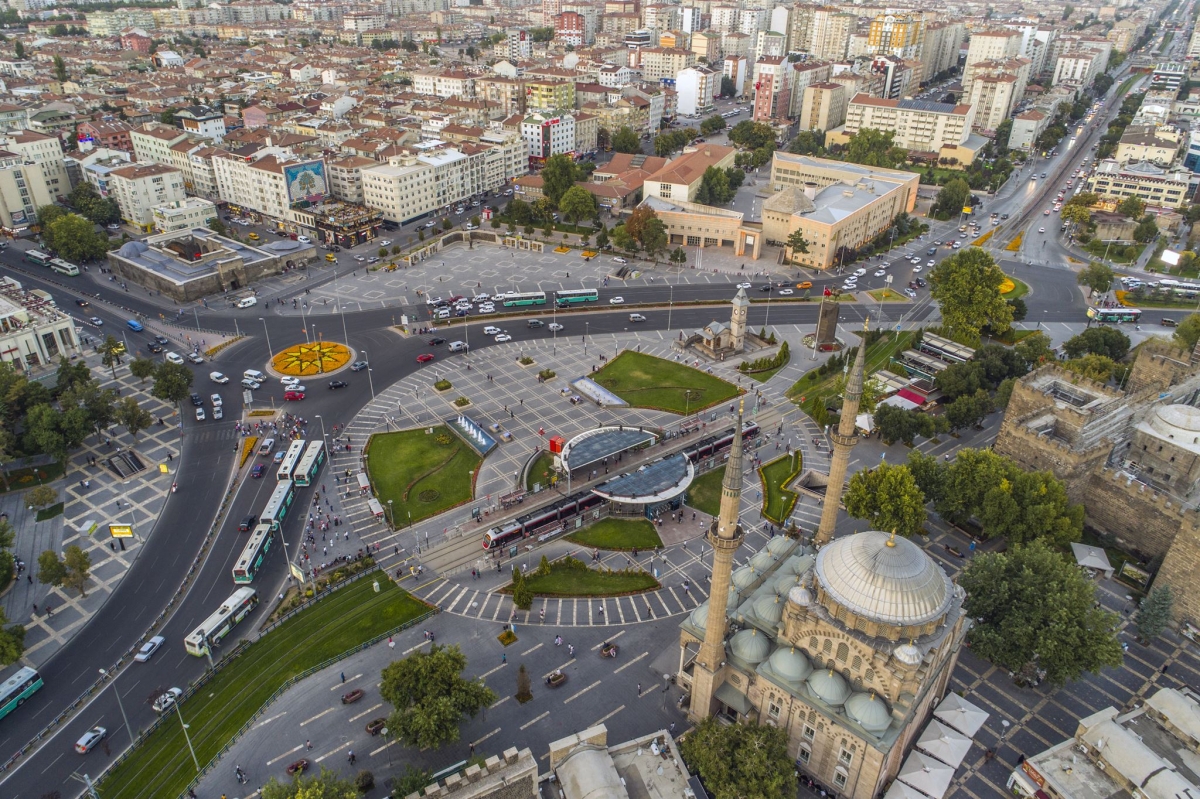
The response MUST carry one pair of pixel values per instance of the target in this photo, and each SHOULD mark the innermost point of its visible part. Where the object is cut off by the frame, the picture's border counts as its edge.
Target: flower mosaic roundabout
(317, 358)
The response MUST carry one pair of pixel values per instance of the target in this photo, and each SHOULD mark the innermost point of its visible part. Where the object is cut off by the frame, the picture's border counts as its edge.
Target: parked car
(174, 357)
(167, 700)
(149, 648)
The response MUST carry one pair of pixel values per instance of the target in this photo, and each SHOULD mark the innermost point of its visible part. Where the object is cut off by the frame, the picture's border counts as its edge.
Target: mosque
(848, 645)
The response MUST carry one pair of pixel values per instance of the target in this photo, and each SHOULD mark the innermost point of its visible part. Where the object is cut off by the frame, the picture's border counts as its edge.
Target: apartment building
(444, 83)
(804, 74)
(45, 151)
(659, 63)
(548, 136)
(823, 106)
(918, 125)
(993, 97)
(1158, 144)
(939, 51)
(138, 188)
(23, 189)
(772, 88)
(549, 95)
(345, 177)
(707, 45)
(1156, 186)
(993, 45)
(680, 179)
(737, 69)
(1026, 128)
(185, 214)
(1077, 69)
(831, 29)
(198, 120)
(695, 88)
(108, 133)
(153, 142)
(899, 36)
(1169, 76)
(261, 185)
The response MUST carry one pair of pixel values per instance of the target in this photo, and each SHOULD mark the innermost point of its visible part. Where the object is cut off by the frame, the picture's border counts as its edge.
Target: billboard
(120, 530)
(306, 181)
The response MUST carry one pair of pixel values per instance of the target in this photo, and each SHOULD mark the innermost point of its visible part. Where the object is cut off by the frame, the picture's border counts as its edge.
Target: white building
(695, 88)
(33, 331)
(184, 214)
(47, 152)
(917, 124)
(546, 136)
(138, 188)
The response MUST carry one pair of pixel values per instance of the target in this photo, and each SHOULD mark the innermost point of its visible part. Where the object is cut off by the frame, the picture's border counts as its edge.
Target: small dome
(699, 617)
(762, 560)
(778, 544)
(735, 596)
(799, 564)
(908, 654)
(750, 647)
(800, 595)
(790, 665)
(785, 582)
(744, 577)
(829, 686)
(869, 712)
(132, 249)
(769, 608)
(890, 580)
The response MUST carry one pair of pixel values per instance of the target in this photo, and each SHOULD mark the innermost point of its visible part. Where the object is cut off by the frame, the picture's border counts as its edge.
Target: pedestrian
(503, 657)
(639, 689)
(343, 675)
(672, 727)
(308, 745)
(35, 609)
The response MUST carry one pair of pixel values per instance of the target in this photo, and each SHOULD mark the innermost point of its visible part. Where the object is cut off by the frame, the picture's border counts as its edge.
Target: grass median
(704, 494)
(645, 381)
(578, 580)
(160, 766)
(613, 533)
(423, 474)
(778, 501)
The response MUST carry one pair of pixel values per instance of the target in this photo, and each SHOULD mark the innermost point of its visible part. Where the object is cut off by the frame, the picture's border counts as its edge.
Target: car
(215, 399)
(304, 239)
(620, 260)
(197, 400)
(743, 285)
(247, 302)
(535, 323)
(293, 396)
(1169, 322)
(89, 739)
(425, 357)
(83, 303)
(358, 366)
(487, 307)
(503, 337)
(880, 272)
(330, 257)
(921, 282)
(1004, 216)
(360, 258)
(298, 767)
(252, 236)
(149, 648)
(194, 357)
(200, 417)
(154, 347)
(372, 260)
(258, 471)
(1041, 230)
(917, 268)
(174, 357)
(859, 272)
(247, 523)
(786, 292)
(338, 384)
(429, 224)
(295, 387)
(472, 226)
(636, 317)
(617, 301)
(353, 696)
(253, 385)
(97, 321)
(555, 327)
(1046, 212)
(162, 340)
(491, 330)
(289, 380)
(167, 700)
(804, 284)
(910, 293)
(385, 243)
(956, 246)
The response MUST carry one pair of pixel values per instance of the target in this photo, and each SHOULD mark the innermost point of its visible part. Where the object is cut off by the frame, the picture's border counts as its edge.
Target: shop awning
(733, 698)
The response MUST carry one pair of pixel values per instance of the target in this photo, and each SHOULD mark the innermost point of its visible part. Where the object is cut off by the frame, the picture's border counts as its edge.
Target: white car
(472, 226)
(503, 337)
(288, 380)
(295, 387)
(916, 259)
(1041, 230)
(385, 243)
(620, 260)
(217, 377)
(90, 738)
(555, 327)
(167, 700)
(786, 292)
(218, 413)
(487, 307)
(617, 301)
(216, 400)
(481, 298)
(430, 223)
(174, 357)
(253, 385)
(149, 648)
(200, 417)
(304, 239)
(859, 272)
(917, 268)
(880, 272)
(911, 293)
(743, 285)
(491, 330)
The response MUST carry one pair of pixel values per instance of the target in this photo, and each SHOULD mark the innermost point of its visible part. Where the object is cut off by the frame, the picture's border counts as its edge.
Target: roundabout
(311, 359)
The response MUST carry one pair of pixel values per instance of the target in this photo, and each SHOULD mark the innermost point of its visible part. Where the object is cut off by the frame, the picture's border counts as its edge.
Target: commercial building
(185, 214)
(548, 136)
(695, 88)
(341, 223)
(139, 188)
(1154, 185)
(1169, 76)
(33, 331)
(24, 188)
(837, 205)
(1158, 144)
(922, 126)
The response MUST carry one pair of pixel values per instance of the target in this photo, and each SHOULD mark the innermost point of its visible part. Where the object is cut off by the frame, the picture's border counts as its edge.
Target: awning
(900, 402)
(960, 714)
(901, 791)
(865, 421)
(733, 698)
(1092, 558)
(945, 743)
(930, 777)
(911, 396)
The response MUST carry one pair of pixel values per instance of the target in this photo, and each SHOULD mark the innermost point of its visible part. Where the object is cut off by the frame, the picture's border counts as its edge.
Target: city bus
(310, 464)
(253, 555)
(17, 688)
(528, 298)
(572, 296)
(218, 625)
(64, 267)
(1118, 315)
(278, 505)
(292, 457)
(38, 257)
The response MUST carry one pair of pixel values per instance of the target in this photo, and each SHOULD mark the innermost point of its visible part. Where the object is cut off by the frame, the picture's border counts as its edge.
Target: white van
(458, 346)
(247, 302)
(442, 313)
(254, 374)
(636, 317)
(264, 449)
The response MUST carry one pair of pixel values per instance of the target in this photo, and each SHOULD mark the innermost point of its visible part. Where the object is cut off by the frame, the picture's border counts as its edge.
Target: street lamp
(117, 691)
(391, 515)
(186, 737)
(267, 333)
(322, 427)
(585, 335)
(367, 358)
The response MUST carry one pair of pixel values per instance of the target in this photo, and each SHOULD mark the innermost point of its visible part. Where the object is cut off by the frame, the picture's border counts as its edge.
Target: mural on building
(306, 181)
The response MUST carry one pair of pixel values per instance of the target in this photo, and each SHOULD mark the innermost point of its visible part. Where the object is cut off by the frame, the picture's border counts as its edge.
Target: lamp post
(585, 336)
(367, 358)
(186, 737)
(322, 427)
(117, 691)
(391, 515)
(267, 333)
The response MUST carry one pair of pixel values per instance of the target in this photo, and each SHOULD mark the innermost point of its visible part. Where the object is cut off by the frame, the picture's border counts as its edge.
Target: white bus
(288, 465)
(218, 625)
(310, 464)
(279, 504)
(64, 267)
(253, 555)
(38, 257)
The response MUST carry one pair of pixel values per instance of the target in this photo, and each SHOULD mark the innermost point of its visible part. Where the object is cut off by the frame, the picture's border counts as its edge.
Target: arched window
(856, 664)
(827, 647)
(843, 652)
(869, 676)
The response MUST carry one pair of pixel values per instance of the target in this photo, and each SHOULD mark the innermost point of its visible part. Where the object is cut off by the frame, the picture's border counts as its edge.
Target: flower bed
(248, 447)
(303, 360)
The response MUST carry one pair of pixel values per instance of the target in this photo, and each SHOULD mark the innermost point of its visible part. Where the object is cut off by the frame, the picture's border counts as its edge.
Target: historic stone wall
(1180, 568)
(1140, 519)
(1159, 365)
(1045, 453)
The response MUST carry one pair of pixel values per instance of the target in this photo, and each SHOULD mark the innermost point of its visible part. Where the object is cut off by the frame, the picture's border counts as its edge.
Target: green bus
(17, 688)
(571, 296)
(529, 298)
(1118, 315)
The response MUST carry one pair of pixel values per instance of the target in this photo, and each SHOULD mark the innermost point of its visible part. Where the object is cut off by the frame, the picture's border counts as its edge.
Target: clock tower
(737, 321)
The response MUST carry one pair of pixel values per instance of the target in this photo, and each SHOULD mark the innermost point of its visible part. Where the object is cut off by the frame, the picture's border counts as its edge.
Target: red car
(425, 357)
(258, 471)
(293, 396)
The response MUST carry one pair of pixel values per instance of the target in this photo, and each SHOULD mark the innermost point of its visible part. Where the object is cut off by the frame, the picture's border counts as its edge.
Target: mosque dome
(799, 564)
(790, 665)
(785, 582)
(1178, 423)
(750, 647)
(829, 686)
(778, 544)
(762, 560)
(884, 578)
(869, 712)
(699, 617)
(744, 577)
(908, 654)
(800, 595)
(769, 608)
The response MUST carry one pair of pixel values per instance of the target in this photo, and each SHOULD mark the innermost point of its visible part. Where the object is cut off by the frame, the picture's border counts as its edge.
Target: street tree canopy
(950, 201)
(872, 147)
(577, 203)
(75, 238)
(558, 175)
(431, 696)
(172, 382)
(1096, 276)
(967, 287)
(739, 761)
(752, 135)
(326, 785)
(1035, 613)
(1187, 332)
(888, 498)
(626, 141)
(1102, 340)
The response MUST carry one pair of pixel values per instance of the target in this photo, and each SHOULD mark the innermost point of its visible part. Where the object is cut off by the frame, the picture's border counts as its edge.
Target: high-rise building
(831, 31)
(995, 45)
(772, 89)
(695, 88)
(898, 36)
(823, 106)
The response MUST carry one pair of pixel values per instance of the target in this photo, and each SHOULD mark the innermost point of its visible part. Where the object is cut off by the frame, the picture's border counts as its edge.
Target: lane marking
(500, 702)
(533, 649)
(609, 716)
(487, 674)
(560, 668)
(630, 663)
(267, 721)
(324, 712)
(333, 752)
(374, 752)
(365, 712)
(288, 753)
(534, 721)
(580, 693)
(478, 741)
(611, 638)
(343, 682)
(415, 648)
(649, 690)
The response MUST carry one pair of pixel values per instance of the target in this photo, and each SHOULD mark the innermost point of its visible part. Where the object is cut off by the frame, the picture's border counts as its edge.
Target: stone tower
(725, 536)
(738, 319)
(844, 440)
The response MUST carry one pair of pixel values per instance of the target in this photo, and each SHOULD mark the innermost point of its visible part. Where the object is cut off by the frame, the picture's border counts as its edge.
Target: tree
(1106, 341)
(1187, 332)
(625, 140)
(42, 496)
(48, 213)
(60, 69)
(967, 287)
(712, 125)
(960, 379)
(12, 640)
(557, 177)
(1036, 613)
(951, 199)
(714, 187)
(578, 203)
(728, 88)
(740, 760)
(1154, 612)
(111, 351)
(1035, 350)
(431, 696)
(524, 690)
(752, 135)
(602, 238)
(19, 50)
(133, 416)
(1132, 207)
(382, 252)
(1092, 366)
(326, 785)
(1146, 229)
(172, 382)
(808, 142)
(969, 410)
(1096, 276)
(51, 569)
(897, 424)
(654, 237)
(446, 225)
(141, 368)
(70, 375)
(887, 498)
(1076, 214)
(78, 565)
(75, 238)
(872, 147)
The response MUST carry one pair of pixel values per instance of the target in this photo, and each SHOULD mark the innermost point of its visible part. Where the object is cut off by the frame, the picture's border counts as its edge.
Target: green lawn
(563, 581)
(648, 382)
(614, 533)
(160, 766)
(49, 513)
(704, 494)
(1013, 336)
(1020, 289)
(885, 295)
(820, 389)
(20, 479)
(422, 474)
(541, 471)
(777, 500)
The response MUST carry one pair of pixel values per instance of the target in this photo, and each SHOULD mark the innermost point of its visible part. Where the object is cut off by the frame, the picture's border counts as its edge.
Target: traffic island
(645, 381)
(618, 534)
(421, 473)
(571, 577)
(311, 360)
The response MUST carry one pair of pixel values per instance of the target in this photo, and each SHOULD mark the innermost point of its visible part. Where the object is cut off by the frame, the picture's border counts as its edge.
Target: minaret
(844, 440)
(725, 536)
